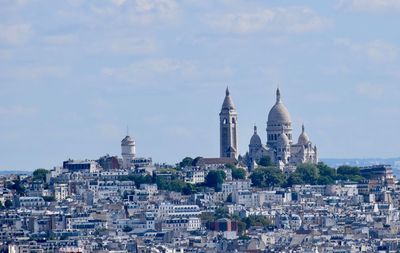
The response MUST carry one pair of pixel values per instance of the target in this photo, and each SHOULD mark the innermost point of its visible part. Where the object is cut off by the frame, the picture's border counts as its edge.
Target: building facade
(228, 128)
(280, 146)
(128, 151)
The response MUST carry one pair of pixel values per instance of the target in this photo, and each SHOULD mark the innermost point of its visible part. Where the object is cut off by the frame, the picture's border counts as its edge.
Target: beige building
(280, 146)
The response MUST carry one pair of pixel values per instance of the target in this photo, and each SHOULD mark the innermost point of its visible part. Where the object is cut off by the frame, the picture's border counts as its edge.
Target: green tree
(221, 212)
(175, 185)
(267, 177)
(214, 179)
(325, 180)
(187, 161)
(326, 171)
(196, 160)
(265, 161)
(238, 173)
(295, 179)
(207, 217)
(256, 220)
(140, 179)
(346, 172)
(189, 189)
(40, 174)
(308, 172)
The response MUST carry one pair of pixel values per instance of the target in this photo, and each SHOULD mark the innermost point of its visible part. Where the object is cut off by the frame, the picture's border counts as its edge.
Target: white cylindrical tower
(128, 151)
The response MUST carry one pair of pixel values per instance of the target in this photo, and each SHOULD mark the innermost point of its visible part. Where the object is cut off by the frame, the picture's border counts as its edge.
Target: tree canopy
(238, 173)
(268, 177)
(309, 173)
(187, 161)
(265, 161)
(256, 220)
(323, 174)
(40, 174)
(215, 178)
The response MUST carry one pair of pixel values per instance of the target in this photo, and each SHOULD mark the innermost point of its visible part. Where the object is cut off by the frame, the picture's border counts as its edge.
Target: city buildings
(205, 205)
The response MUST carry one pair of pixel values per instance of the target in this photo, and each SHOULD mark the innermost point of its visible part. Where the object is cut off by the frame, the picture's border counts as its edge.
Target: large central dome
(279, 113)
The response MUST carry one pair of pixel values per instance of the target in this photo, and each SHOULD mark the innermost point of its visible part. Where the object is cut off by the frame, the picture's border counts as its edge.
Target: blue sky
(75, 73)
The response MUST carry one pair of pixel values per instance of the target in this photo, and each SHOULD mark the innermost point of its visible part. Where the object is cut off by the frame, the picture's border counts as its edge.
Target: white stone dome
(303, 138)
(283, 140)
(255, 139)
(279, 113)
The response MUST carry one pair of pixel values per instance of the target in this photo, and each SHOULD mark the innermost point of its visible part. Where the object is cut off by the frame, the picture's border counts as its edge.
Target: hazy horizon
(74, 74)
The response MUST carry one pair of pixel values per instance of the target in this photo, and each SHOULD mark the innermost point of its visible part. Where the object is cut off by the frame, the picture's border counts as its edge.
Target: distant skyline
(74, 74)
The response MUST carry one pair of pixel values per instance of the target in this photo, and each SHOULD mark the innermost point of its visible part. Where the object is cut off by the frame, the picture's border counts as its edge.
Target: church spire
(302, 128)
(228, 128)
(278, 95)
(255, 129)
(228, 103)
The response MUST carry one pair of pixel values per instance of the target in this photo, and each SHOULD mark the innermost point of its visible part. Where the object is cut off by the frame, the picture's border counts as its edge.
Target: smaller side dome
(255, 139)
(303, 138)
(283, 140)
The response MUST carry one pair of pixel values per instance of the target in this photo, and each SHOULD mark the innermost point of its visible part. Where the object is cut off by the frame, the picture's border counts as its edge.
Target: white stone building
(128, 151)
(280, 146)
(61, 191)
(228, 128)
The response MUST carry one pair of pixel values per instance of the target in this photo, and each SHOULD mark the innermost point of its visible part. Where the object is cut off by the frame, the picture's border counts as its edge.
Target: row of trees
(214, 179)
(305, 174)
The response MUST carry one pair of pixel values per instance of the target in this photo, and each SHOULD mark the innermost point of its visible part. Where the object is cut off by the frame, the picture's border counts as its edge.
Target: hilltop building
(280, 146)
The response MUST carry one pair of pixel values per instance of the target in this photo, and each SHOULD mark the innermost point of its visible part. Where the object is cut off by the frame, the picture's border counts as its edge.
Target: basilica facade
(279, 146)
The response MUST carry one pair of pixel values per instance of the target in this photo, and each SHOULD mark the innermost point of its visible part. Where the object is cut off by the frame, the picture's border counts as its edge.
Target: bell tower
(228, 128)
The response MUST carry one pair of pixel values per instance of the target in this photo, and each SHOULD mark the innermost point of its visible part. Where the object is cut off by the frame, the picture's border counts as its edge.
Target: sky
(75, 73)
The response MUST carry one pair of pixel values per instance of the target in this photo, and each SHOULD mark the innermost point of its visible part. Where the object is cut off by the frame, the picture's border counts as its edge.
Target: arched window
(224, 121)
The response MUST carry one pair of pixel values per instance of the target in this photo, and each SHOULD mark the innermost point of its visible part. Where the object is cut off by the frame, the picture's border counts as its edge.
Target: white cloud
(370, 5)
(377, 50)
(15, 33)
(371, 91)
(291, 19)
